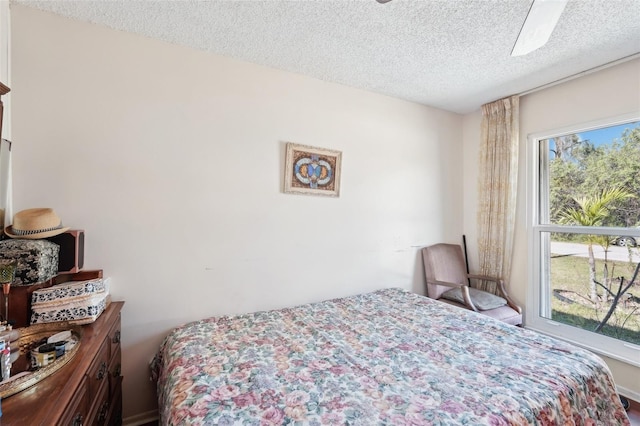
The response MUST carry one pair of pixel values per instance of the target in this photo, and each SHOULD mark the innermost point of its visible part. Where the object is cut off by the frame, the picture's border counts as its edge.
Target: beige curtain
(497, 187)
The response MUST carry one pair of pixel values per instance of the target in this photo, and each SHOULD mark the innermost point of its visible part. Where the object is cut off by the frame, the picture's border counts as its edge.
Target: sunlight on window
(588, 223)
(591, 287)
(597, 170)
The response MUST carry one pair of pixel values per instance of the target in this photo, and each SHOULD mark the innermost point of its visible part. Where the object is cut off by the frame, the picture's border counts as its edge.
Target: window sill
(630, 360)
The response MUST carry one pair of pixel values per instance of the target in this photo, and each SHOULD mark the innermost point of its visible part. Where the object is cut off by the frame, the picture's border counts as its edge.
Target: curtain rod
(580, 74)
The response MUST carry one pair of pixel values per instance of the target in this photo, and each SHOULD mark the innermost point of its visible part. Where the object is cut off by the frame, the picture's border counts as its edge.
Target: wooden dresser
(86, 391)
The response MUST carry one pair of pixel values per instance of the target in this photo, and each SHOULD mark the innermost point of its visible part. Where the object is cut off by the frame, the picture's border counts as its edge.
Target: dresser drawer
(77, 412)
(115, 373)
(115, 414)
(100, 410)
(114, 338)
(98, 373)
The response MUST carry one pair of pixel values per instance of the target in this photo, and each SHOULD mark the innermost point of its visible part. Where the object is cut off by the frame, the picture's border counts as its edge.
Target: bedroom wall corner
(470, 156)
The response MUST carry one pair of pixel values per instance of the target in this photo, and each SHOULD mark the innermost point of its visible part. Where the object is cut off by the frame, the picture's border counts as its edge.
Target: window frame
(538, 253)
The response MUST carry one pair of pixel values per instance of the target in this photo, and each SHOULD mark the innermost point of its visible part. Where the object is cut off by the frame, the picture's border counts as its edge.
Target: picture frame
(312, 171)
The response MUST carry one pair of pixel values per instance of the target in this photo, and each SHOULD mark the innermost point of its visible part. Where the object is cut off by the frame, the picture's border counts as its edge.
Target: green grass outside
(570, 278)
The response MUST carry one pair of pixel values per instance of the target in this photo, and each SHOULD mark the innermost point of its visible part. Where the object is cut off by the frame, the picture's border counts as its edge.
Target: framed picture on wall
(311, 170)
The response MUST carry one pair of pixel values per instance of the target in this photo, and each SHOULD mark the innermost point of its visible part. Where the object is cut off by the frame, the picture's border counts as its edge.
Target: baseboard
(633, 396)
(141, 419)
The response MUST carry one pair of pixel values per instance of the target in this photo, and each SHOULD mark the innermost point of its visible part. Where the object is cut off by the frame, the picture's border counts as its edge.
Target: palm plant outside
(593, 211)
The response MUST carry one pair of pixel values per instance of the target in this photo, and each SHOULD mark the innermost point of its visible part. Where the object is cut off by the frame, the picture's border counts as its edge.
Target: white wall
(608, 93)
(5, 78)
(172, 160)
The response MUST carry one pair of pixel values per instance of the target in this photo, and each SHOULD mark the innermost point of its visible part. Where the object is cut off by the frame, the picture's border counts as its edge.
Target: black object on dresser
(86, 391)
(71, 256)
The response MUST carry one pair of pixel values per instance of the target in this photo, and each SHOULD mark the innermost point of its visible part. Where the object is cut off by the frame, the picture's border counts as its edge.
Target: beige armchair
(448, 281)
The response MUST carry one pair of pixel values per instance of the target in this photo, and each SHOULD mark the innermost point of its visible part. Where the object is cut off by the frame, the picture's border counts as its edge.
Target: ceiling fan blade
(383, 1)
(538, 26)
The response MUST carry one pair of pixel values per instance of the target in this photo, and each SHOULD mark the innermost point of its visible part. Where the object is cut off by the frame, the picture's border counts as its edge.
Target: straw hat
(34, 224)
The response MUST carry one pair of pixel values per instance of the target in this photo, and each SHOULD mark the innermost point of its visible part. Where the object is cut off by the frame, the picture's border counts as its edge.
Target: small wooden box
(71, 257)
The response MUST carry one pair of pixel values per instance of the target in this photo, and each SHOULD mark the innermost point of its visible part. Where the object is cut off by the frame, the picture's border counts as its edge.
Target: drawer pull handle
(102, 371)
(77, 421)
(117, 371)
(102, 416)
(116, 337)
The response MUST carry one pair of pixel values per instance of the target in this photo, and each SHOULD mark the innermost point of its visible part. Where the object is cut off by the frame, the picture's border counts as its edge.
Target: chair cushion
(482, 300)
(505, 314)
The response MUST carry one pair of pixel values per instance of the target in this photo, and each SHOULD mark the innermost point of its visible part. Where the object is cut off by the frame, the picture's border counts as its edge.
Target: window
(584, 236)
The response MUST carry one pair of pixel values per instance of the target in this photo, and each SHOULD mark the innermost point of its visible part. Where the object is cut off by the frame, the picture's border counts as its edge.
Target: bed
(388, 357)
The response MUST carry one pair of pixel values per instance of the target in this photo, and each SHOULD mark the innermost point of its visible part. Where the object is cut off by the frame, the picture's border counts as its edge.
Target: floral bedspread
(388, 357)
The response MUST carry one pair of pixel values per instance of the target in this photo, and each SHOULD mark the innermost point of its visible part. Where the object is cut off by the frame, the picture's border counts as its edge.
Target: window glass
(589, 285)
(597, 170)
(586, 238)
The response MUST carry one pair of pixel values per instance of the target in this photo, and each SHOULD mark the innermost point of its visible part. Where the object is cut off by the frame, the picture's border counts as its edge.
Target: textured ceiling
(450, 54)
